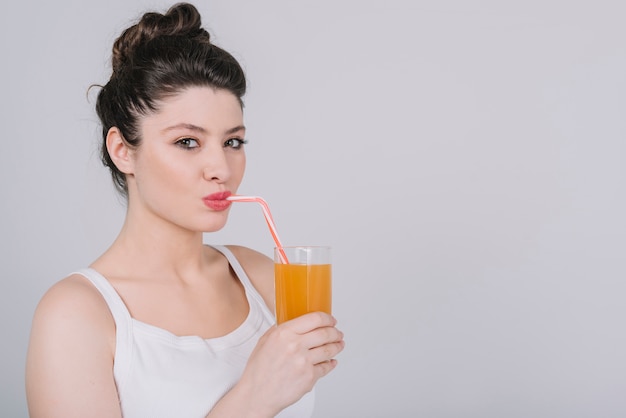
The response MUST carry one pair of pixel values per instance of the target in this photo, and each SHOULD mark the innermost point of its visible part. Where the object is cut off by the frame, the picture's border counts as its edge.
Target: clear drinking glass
(304, 283)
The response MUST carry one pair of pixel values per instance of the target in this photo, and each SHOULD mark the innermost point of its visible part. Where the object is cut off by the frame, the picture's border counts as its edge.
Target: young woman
(162, 325)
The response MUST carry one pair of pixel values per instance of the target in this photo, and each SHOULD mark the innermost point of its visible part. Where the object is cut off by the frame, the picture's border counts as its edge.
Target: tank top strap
(243, 278)
(123, 322)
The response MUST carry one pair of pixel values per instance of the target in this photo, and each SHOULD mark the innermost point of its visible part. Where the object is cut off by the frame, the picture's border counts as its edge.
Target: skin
(191, 147)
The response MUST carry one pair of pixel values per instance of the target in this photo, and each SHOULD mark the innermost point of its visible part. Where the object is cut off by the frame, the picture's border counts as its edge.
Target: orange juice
(302, 288)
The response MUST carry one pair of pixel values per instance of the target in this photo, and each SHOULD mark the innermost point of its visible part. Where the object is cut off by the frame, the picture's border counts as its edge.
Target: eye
(187, 143)
(235, 143)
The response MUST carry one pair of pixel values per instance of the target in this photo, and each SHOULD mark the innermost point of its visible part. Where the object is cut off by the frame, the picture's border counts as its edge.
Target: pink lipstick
(217, 201)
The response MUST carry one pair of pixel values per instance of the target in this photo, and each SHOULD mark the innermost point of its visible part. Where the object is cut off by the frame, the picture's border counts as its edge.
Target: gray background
(465, 159)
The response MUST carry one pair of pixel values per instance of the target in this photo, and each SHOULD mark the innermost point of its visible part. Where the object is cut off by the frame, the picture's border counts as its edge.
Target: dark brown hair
(160, 56)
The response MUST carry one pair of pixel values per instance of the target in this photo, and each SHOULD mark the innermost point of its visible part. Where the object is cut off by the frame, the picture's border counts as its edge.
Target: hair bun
(182, 19)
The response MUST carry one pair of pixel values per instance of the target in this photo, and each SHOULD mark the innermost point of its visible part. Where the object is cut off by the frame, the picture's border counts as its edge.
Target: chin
(208, 230)
(206, 222)
(213, 226)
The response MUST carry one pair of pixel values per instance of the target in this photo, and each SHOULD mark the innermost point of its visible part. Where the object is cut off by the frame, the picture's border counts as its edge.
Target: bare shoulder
(73, 300)
(72, 314)
(260, 270)
(71, 350)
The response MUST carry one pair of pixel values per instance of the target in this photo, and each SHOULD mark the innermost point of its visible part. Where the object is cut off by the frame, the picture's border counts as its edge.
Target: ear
(120, 151)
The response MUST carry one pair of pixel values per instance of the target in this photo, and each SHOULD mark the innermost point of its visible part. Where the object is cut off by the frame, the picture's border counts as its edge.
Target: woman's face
(190, 158)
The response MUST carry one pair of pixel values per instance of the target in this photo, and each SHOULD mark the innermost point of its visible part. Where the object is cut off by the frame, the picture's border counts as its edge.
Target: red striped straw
(268, 219)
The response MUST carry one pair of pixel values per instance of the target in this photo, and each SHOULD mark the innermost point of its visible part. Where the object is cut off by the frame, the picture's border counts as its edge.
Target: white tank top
(159, 374)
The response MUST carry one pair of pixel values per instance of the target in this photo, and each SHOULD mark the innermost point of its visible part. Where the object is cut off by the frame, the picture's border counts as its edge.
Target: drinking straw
(268, 219)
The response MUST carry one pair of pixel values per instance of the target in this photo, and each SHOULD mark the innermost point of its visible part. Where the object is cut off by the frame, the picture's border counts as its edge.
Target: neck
(149, 246)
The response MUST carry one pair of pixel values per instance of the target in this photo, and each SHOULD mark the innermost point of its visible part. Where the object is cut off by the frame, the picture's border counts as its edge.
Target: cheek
(155, 171)
(239, 167)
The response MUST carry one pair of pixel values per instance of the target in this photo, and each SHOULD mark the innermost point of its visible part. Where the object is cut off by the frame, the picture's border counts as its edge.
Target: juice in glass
(303, 285)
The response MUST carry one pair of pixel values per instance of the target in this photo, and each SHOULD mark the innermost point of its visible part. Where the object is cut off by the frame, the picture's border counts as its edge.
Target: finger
(321, 336)
(325, 352)
(310, 321)
(322, 369)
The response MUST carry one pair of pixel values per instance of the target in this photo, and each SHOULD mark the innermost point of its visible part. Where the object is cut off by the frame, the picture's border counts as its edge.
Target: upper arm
(260, 271)
(69, 368)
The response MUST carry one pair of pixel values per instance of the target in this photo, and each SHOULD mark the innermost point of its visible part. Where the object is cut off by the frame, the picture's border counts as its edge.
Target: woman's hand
(287, 362)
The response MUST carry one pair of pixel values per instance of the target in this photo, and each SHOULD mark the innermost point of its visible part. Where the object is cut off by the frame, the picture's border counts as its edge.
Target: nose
(216, 166)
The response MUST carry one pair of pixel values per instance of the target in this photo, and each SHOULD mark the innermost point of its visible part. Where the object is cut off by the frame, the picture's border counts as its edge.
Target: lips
(217, 201)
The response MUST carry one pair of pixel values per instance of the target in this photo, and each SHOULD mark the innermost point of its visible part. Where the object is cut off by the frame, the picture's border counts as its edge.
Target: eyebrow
(200, 129)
